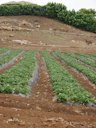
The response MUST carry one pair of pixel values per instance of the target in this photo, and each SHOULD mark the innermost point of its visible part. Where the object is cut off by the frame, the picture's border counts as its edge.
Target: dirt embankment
(44, 34)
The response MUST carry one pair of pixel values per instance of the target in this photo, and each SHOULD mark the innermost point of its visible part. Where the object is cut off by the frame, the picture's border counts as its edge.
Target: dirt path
(79, 76)
(40, 111)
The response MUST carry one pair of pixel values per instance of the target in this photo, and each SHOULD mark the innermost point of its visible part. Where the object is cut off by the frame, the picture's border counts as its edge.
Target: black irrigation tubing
(3, 54)
(11, 62)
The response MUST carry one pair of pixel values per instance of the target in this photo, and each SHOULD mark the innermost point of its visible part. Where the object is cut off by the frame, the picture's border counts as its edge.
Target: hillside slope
(41, 109)
(40, 32)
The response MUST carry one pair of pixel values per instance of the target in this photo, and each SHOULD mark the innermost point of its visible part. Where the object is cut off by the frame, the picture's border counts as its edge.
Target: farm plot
(66, 88)
(86, 59)
(71, 61)
(7, 57)
(15, 80)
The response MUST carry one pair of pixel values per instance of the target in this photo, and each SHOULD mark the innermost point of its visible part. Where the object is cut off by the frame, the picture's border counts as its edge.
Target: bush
(84, 19)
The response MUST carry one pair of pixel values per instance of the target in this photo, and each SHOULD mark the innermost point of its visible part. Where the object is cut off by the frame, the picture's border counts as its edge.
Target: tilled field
(41, 110)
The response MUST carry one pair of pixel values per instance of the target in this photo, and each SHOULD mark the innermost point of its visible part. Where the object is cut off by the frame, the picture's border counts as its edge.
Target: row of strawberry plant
(92, 56)
(9, 56)
(64, 85)
(71, 61)
(15, 80)
(3, 50)
(84, 58)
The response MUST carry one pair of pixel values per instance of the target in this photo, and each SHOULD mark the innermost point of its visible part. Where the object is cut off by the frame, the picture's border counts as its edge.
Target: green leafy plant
(75, 64)
(15, 80)
(7, 57)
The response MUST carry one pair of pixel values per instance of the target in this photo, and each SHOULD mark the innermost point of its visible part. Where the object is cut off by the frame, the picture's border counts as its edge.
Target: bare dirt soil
(43, 33)
(41, 110)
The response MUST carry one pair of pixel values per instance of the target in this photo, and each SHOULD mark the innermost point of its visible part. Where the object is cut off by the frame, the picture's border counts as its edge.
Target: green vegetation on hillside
(83, 19)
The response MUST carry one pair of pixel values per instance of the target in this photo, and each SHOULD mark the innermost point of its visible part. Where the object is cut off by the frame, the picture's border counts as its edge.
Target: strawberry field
(64, 85)
(66, 88)
(47, 70)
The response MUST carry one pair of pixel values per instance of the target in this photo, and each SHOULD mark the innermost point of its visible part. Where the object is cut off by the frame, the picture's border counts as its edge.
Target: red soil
(40, 110)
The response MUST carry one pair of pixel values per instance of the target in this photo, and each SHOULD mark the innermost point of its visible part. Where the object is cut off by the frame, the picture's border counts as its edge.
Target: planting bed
(15, 80)
(84, 58)
(91, 75)
(64, 85)
(3, 50)
(7, 57)
(89, 56)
